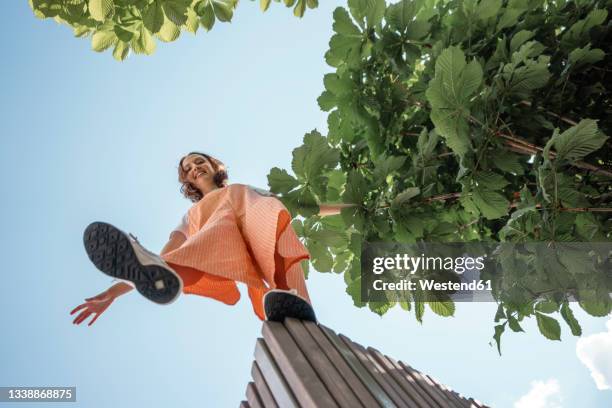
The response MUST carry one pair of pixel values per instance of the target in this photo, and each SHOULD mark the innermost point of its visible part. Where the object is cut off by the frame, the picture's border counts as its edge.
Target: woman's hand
(93, 305)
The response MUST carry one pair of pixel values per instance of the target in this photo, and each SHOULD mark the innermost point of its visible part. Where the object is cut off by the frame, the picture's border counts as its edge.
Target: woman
(232, 233)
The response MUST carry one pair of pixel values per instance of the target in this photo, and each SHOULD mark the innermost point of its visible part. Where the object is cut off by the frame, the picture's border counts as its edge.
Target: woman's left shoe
(279, 304)
(121, 256)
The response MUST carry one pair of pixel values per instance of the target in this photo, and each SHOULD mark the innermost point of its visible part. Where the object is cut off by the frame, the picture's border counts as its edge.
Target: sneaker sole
(280, 305)
(111, 252)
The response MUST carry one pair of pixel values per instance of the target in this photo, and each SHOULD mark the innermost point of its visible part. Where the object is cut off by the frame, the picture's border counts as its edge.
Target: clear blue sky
(85, 138)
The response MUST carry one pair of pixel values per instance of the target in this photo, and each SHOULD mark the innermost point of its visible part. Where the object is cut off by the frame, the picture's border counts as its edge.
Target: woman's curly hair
(189, 190)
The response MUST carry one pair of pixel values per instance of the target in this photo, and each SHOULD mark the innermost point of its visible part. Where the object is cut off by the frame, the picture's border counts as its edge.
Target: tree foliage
(133, 25)
(459, 121)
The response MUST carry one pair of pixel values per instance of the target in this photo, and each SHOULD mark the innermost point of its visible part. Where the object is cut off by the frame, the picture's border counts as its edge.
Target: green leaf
(121, 51)
(345, 47)
(321, 258)
(491, 205)
(100, 9)
(449, 94)
(224, 9)
(401, 14)
(595, 302)
(329, 238)
(307, 203)
(522, 77)
(314, 157)
(578, 141)
(548, 326)
(569, 318)
(264, 4)
(299, 9)
(281, 182)
(578, 34)
(193, 21)
(176, 10)
(305, 267)
(102, 40)
(488, 8)
(514, 325)
(445, 309)
(405, 305)
(370, 10)
(585, 56)
(499, 330)
(208, 16)
(405, 196)
(385, 165)
(153, 17)
(144, 44)
(419, 310)
(547, 307)
(519, 39)
(490, 181)
(326, 101)
(169, 31)
(500, 314)
(508, 162)
(354, 290)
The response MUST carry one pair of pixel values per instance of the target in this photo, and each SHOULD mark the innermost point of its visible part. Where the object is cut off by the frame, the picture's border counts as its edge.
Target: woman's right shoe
(121, 256)
(280, 304)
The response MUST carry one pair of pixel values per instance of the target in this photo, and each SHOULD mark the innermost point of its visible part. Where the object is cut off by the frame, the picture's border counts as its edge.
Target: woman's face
(199, 172)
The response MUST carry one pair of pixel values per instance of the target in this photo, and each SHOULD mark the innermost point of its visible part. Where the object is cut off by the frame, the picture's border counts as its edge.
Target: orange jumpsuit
(239, 235)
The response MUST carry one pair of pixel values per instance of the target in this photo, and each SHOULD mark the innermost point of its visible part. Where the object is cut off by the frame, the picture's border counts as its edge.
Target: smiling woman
(232, 233)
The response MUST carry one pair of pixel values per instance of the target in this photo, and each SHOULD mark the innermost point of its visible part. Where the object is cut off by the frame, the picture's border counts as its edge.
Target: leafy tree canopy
(460, 121)
(134, 25)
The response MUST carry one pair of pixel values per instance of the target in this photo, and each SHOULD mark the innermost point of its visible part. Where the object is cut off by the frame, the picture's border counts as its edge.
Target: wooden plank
(476, 404)
(428, 386)
(272, 375)
(244, 404)
(253, 396)
(377, 372)
(406, 387)
(462, 402)
(361, 370)
(364, 395)
(265, 394)
(299, 374)
(326, 371)
(414, 386)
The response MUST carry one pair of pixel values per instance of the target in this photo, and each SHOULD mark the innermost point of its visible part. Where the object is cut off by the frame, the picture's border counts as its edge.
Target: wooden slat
(475, 403)
(303, 380)
(349, 375)
(273, 376)
(429, 387)
(407, 388)
(462, 402)
(378, 373)
(244, 404)
(414, 386)
(338, 388)
(361, 370)
(265, 394)
(253, 396)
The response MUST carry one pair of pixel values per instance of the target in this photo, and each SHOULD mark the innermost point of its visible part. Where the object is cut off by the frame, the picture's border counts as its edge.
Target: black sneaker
(121, 256)
(279, 304)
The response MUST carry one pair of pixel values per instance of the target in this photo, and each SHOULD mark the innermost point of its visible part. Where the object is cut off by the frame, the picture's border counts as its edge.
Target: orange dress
(239, 235)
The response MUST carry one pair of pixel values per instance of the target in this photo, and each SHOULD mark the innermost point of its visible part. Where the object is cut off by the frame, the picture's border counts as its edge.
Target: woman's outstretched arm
(332, 209)
(98, 304)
